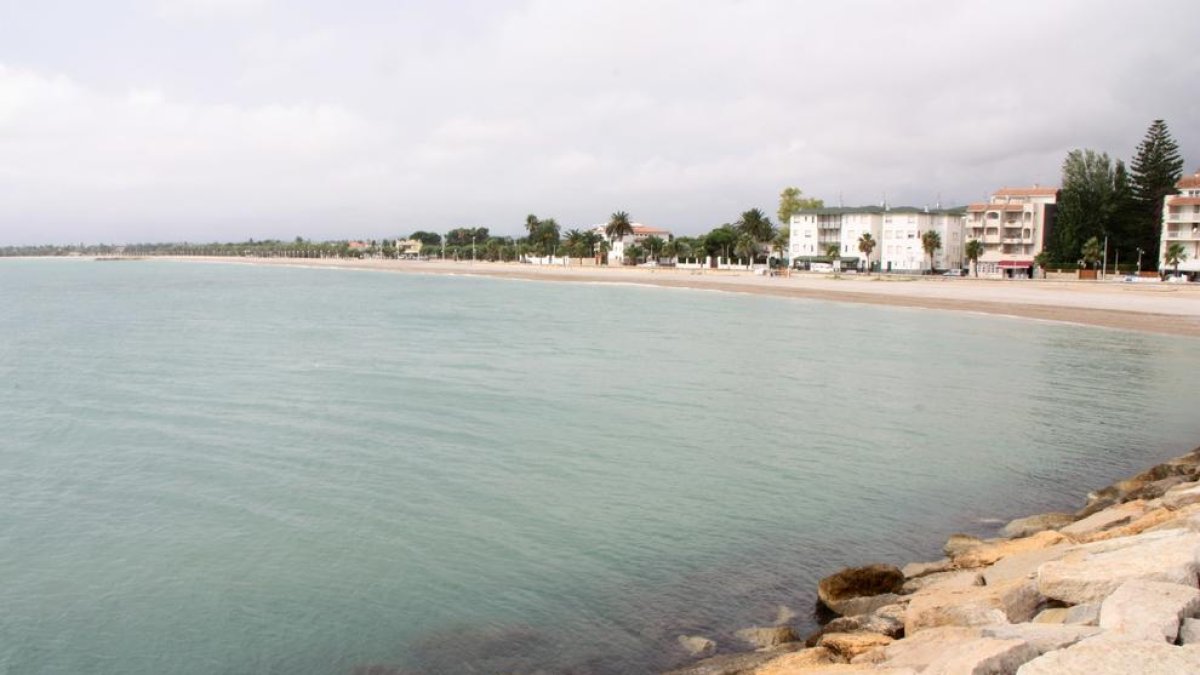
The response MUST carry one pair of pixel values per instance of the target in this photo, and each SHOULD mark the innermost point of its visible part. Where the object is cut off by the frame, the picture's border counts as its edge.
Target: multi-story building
(897, 233)
(641, 232)
(1013, 226)
(1181, 225)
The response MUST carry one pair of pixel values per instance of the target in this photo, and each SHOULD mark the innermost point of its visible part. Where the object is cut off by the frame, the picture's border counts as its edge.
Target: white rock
(1189, 632)
(1094, 571)
(1100, 657)
(1113, 516)
(1013, 602)
(696, 646)
(1149, 610)
(1054, 615)
(1087, 614)
(1182, 495)
(983, 657)
(1043, 637)
(1024, 565)
(920, 650)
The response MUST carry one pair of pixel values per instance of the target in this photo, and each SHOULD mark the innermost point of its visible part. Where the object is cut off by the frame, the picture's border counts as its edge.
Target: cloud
(378, 119)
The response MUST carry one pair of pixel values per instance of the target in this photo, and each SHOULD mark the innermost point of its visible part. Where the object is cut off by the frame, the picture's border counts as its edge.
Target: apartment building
(897, 233)
(1181, 225)
(1013, 226)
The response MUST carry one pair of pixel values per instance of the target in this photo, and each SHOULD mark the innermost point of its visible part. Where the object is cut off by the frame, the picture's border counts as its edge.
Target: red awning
(1014, 264)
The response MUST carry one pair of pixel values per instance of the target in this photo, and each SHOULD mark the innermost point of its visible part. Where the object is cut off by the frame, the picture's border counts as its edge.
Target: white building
(1013, 227)
(897, 233)
(1181, 225)
(641, 232)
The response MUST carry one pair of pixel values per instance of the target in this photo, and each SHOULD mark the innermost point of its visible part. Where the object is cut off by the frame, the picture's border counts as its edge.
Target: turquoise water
(228, 469)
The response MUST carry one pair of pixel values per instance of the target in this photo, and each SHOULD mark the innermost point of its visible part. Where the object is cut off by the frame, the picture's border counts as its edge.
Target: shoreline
(1146, 308)
(1111, 588)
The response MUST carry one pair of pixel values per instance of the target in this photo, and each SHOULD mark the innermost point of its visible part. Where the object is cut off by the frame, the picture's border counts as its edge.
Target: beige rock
(1189, 632)
(835, 669)
(920, 650)
(1094, 571)
(802, 661)
(943, 580)
(959, 544)
(1149, 610)
(866, 623)
(1182, 495)
(989, 553)
(836, 590)
(1114, 516)
(1023, 527)
(920, 569)
(1087, 614)
(1011, 602)
(696, 646)
(763, 637)
(868, 604)
(1054, 615)
(1043, 637)
(983, 657)
(1023, 565)
(1101, 657)
(849, 645)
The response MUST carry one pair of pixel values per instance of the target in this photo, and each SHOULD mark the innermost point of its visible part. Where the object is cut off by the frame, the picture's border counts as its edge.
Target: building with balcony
(897, 233)
(1013, 226)
(1181, 225)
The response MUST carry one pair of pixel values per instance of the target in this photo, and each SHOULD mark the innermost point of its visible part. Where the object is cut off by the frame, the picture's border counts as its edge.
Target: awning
(1014, 264)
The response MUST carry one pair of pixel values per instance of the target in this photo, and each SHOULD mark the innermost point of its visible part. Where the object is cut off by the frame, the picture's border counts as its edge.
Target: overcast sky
(224, 119)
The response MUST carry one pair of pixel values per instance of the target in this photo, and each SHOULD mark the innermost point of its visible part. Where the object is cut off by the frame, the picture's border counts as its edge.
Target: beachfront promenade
(1170, 309)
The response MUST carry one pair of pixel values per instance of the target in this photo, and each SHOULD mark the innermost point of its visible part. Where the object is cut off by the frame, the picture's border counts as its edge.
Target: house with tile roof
(1013, 226)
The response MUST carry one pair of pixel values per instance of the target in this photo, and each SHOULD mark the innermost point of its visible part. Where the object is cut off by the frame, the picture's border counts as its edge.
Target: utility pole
(1104, 265)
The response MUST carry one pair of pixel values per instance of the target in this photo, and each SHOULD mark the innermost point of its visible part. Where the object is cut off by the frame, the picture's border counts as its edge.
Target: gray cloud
(214, 119)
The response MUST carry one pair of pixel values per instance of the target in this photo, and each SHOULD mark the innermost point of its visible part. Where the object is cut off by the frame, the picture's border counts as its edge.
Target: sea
(228, 469)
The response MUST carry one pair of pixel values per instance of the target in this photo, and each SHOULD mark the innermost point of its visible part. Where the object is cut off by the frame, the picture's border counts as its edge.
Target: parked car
(953, 273)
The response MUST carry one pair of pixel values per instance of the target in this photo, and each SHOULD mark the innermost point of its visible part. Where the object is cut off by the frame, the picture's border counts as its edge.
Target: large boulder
(959, 544)
(1023, 565)
(1011, 602)
(863, 623)
(837, 590)
(1042, 637)
(1023, 527)
(850, 645)
(1109, 657)
(943, 580)
(920, 650)
(765, 637)
(983, 657)
(1093, 571)
(1111, 517)
(1182, 495)
(697, 647)
(1156, 489)
(1149, 610)
(804, 660)
(919, 569)
(990, 552)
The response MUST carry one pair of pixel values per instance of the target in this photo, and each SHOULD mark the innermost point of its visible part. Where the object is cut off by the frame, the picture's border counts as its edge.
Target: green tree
(1174, 255)
(653, 245)
(866, 244)
(545, 237)
(782, 240)
(792, 201)
(746, 246)
(973, 250)
(618, 226)
(1091, 252)
(719, 242)
(1088, 203)
(531, 224)
(931, 241)
(634, 252)
(575, 244)
(427, 238)
(1155, 169)
(833, 252)
(756, 225)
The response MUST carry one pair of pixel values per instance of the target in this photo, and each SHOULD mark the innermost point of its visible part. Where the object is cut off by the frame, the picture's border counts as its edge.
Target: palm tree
(931, 241)
(746, 246)
(1174, 255)
(832, 252)
(670, 250)
(653, 245)
(618, 226)
(1091, 251)
(575, 243)
(782, 241)
(866, 244)
(756, 225)
(973, 250)
(531, 224)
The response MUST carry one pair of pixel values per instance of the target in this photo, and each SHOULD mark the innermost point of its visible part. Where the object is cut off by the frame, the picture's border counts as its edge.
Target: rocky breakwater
(1113, 588)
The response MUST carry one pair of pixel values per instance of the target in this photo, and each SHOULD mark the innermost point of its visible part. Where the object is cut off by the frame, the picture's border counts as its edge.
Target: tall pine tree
(1154, 171)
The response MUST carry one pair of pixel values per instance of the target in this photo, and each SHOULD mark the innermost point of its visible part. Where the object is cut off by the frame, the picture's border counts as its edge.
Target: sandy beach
(1168, 309)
